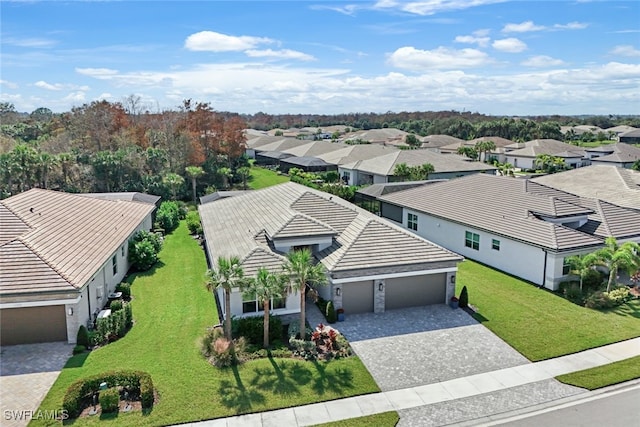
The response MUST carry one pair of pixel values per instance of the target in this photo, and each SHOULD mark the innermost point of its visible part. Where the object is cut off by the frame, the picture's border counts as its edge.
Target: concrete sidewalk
(414, 397)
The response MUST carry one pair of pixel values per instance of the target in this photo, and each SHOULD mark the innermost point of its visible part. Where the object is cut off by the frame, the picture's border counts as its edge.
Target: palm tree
(194, 172)
(302, 273)
(615, 257)
(469, 152)
(226, 174)
(244, 173)
(66, 160)
(579, 265)
(264, 287)
(485, 147)
(425, 170)
(402, 171)
(227, 275)
(174, 181)
(47, 162)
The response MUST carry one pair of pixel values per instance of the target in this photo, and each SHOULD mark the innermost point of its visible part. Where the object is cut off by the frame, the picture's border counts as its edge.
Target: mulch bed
(136, 406)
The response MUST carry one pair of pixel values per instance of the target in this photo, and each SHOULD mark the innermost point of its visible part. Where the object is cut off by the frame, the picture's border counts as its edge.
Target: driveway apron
(27, 372)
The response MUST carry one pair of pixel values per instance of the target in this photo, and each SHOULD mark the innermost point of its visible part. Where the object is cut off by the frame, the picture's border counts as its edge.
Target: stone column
(451, 286)
(379, 287)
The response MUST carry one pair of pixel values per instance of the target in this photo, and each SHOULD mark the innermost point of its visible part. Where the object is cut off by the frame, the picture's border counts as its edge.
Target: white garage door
(415, 291)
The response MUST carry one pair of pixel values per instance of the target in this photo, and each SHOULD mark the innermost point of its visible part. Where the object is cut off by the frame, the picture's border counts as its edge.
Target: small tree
(227, 275)
(615, 257)
(194, 172)
(174, 182)
(264, 287)
(469, 152)
(83, 337)
(464, 298)
(412, 140)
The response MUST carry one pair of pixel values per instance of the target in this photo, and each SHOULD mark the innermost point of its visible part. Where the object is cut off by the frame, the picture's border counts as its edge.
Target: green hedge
(109, 400)
(80, 392)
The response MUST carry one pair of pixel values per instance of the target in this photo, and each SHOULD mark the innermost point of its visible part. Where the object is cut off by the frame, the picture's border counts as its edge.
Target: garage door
(357, 297)
(33, 324)
(415, 291)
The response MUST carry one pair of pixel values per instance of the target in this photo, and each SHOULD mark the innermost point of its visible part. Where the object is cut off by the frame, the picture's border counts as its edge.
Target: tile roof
(620, 153)
(536, 147)
(315, 148)
(439, 141)
(613, 184)
(501, 205)
(442, 163)
(128, 196)
(239, 226)
(66, 238)
(356, 152)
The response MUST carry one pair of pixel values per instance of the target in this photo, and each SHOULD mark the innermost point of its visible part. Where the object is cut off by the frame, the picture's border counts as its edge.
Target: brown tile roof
(68, 235)
(500, 205)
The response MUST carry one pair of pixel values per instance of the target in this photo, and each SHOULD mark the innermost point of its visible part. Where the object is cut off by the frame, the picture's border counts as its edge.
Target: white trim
(39, 303)
(393, 275)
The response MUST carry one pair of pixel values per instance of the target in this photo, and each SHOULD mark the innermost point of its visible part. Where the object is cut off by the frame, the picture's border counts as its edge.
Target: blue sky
(487, 56)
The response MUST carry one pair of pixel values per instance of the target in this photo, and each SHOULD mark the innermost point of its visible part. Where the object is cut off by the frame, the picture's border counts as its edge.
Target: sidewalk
(414, 397)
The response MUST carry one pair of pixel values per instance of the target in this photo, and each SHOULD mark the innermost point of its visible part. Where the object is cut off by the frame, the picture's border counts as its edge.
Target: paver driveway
(27, 372)
(424, 345)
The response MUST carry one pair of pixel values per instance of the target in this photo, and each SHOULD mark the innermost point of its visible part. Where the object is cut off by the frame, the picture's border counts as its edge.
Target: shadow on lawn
(283, 379)
(334, 380)
(132, 276)
(77, 360)
(237, 396)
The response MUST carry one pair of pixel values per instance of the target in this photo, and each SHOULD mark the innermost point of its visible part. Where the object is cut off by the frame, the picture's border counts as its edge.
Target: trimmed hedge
(79, 393)
(109, 400)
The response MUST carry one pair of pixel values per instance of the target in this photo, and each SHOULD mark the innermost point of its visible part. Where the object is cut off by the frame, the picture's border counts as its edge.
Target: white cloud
(478, 37)
(625, 50)
(282, 54)
(523, 27)
(542, 61)
(8, 84)
(98, 73)
(59, 86)
(30, 42)
(572, 26)
(431, 7)
(511, 45)
(211, 41)
(44, 85)
(75, 97)
(409, 57)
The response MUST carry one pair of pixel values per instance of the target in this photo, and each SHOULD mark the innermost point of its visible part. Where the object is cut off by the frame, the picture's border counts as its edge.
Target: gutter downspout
(544, 271)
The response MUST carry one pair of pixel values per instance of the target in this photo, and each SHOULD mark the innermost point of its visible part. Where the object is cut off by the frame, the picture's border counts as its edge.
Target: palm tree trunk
(193, 185)
(266, 323)
(303, 328)
(227, 313)
(612, 274)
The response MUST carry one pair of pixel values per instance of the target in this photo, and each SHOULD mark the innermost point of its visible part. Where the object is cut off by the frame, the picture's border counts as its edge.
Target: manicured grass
(172, 310)
(537, 323)
(384, 419)
(261, 178)
(602, 376)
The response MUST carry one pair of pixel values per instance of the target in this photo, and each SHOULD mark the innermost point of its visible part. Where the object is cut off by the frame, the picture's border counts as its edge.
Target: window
(412, 222)
(114, 264)
(566, 266)
(472, 240)
(346, 176)
(251, 305)
(122, 251)
(495, 244)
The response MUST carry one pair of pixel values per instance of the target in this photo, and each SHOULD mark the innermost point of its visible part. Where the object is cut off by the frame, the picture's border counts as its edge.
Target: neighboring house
(515, 225)
(270, 143)
(523, 155)
(380, 169)
(307, 164)
(498, 153)
(434, 142)
(382, 136)
(610, 183)
(616, 131)
(356, 152)
(631, 137)
(212, 197)
(621, 155)
(270, 158)
(372, 265)
(61, 255)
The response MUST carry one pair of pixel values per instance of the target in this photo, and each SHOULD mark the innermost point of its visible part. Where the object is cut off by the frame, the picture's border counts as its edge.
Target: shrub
(115, 305)
(208, 339)
(168, 216)
(128, 316)
(592, 279)
(619, 296)
(79, 393)
(79, 349)
(109, 400)
(252, 329)
(294, 330)
(193, 223)
(573, 293)
(464, 298)
(330, 313)
(142, 255)
(115, 326)
(125, 288)
(82, 338)
(222, 353)
(598, 300)
(304, 349)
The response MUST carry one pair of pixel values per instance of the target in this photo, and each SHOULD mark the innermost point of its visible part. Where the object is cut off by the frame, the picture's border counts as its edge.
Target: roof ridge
(355, 239)
(7, 207)
(603, 218)
(305, 216)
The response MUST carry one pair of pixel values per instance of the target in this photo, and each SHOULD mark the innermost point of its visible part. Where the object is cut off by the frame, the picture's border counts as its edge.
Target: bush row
(252, 329)
(143, 250)
(114, 326)
(79, 393)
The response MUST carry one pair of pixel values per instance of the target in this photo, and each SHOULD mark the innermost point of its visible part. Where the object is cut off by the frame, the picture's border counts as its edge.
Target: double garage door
(358, 297)
(33, 325)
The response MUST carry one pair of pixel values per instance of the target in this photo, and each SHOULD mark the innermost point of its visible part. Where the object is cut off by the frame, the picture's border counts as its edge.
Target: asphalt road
(617, 409)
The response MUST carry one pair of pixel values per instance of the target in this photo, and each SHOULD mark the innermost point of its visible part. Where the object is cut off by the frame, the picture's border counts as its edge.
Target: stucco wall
(292, 304)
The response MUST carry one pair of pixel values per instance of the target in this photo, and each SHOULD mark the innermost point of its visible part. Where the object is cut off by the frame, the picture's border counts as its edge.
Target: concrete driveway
(27, 372)
(425, 345)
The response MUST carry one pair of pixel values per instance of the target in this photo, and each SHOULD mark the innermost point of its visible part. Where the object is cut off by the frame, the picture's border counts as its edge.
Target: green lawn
(603, 376)
(537, 323)
(261, 178)
(384, 419)
(171, 310)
